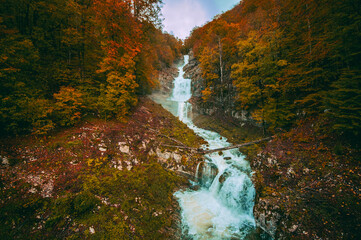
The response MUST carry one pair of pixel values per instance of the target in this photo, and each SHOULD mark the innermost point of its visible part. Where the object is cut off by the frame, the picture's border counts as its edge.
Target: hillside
(99, 179)
(275, 68)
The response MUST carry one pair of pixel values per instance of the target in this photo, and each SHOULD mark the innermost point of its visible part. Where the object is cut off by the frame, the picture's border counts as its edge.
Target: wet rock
(195, 187)
(166, 78)
(223, 177)
(206, 173)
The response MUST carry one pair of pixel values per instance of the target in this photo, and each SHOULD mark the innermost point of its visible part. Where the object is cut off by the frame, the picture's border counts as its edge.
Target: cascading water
(182, 93)
(223, 206)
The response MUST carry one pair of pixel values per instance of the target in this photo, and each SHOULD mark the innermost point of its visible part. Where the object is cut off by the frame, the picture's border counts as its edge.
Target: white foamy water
(223, 206)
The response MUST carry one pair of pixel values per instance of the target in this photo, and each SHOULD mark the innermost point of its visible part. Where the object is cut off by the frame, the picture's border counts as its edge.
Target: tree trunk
(202, 151)
(220, 65)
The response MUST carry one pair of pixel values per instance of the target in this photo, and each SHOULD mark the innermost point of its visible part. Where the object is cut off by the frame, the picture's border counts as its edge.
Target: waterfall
(222, 208)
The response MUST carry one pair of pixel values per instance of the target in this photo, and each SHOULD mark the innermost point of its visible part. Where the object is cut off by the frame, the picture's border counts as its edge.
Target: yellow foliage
(206, 94)
(68, 105)
(258, 115)
(96, 162)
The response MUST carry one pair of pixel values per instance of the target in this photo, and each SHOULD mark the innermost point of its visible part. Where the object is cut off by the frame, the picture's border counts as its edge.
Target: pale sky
(181, 16)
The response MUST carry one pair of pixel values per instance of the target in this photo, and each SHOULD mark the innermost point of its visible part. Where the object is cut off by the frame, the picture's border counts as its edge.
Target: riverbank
(307, 181)
(100, 179)
(237, 133)
(308, 185)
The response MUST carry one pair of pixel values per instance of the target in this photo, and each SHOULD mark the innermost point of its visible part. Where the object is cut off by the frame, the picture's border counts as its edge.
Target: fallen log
(235, 146)
(203, 151)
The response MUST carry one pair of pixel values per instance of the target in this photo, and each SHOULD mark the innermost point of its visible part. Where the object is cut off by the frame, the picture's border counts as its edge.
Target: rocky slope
(308, 185)
(99, 180)
(193, 71)
(307, 181)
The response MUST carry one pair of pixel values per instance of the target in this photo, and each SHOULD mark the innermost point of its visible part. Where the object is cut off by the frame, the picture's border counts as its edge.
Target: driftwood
(203, 151)
(235, 146)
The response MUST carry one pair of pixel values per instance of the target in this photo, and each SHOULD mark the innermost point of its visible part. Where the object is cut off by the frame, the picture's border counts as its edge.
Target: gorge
(222, 207)
(107, 131)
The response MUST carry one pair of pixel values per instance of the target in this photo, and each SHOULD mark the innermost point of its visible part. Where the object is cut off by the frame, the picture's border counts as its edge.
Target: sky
(181, 16)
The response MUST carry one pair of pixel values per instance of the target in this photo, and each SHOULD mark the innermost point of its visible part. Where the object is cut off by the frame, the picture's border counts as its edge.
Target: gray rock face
(193, 71)
(163, 156)
(166, 78)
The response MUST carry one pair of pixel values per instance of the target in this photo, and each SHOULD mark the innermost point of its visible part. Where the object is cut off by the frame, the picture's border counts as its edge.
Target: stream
(222, 207)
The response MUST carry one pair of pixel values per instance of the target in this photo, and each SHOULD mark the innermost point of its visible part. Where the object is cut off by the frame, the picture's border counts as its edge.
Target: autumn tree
(106, 52)
(295, 59)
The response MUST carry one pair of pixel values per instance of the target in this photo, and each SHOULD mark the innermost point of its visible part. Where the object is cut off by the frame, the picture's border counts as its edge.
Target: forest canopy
(63, 59)
(284, 60)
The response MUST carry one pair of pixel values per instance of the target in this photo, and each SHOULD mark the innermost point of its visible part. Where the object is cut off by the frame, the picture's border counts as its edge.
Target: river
(222, 207)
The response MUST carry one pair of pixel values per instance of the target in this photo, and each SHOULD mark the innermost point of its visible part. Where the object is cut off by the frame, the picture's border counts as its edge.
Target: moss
(137, 204)
(18, 210)
(84, 203)
(72, 144)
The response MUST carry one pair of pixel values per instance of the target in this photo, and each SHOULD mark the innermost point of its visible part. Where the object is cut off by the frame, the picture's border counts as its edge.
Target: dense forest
(284, 60)
(85, 154)
(64, 59)
(279, 60)
(83, 63)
